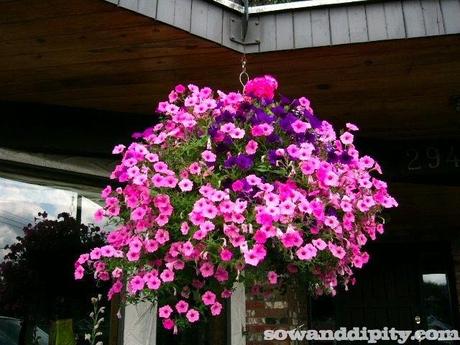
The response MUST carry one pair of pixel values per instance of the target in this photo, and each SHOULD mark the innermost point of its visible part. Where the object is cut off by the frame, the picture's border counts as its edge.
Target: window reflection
(436, 300)
(20, 203)
(88, 208)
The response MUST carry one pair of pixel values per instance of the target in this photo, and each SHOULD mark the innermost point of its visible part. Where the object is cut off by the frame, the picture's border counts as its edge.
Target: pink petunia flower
(162, 236)
(216, 309)
(208, 298)
(192, 315)
(153, 283)
(79, 272)
(208, 156)
(207, 269)
(226, 294)
(194, 168)
(351, 127)
(118, 149)
(138, 213)
(136, 284)
(167, 276)
(151, 246)
(99, 215)
(337, 251)
(272, 277)
(319, 243)
(347, 138)
(300, 126)
(181, 306)
(306, 252)
(168, 324)
(165, 311)
(185, 185)
(251, 147)
(226, 255)
(187, 248)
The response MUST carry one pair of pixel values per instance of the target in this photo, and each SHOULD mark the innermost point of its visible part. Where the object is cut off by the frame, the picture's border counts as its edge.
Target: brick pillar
(281, 311)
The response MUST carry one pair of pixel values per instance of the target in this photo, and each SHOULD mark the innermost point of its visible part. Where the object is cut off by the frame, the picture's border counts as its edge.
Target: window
(48, 295)
(21, 202)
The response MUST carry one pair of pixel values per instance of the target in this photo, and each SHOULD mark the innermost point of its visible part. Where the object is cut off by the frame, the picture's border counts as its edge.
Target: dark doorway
(406, 286)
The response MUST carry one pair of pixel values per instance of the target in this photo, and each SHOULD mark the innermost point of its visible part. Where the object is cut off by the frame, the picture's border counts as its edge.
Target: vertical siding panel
(451, 14)
(320, 27)
(394, 19)
(148, 8)
(182, 12)
(199, 18)
(376, 26)
(129, 4)
(357, 23)
(140, 324)
(432, 15)
(340, 33)
(226, 34)
(284, 31)
(302, 29)
(238, 315)
(253, 48)
(413, 17)
(267, 32)
(165, 12)
(214, 23)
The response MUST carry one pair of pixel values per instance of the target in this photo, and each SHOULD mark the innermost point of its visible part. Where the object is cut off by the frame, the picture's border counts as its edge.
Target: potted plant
(235, 187)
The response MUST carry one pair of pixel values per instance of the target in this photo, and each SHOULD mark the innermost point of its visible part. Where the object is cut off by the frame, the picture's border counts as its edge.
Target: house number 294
(432, 157)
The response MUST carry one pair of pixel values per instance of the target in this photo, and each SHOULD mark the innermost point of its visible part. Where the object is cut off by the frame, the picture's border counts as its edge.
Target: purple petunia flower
(285, 100)
(227, 140)
(261, 117)
(345, 158)
(274, 139)
(230, 162)
(331, 211)
(279, 111)
(227, 116)
(332, 157)
(314, 121)
(287, 121)
(244, 162)
(272, 157)
(212, 130)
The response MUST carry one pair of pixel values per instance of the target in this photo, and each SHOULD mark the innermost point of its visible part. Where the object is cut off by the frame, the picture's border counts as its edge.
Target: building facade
(78, 76)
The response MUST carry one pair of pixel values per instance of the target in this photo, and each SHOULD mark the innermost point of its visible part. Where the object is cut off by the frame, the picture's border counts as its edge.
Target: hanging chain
(244, 76)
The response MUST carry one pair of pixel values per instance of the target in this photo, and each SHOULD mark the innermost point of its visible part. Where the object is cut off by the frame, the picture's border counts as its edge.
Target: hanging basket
(234, 187)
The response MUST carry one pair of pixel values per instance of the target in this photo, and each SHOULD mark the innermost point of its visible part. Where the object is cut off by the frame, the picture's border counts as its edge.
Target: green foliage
(36, 276)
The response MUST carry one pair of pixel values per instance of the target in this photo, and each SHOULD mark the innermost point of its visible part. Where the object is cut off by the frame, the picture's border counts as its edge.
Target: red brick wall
(285, 311)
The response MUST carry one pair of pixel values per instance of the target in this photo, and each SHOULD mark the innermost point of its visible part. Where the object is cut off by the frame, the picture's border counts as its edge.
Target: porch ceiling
(90, 54)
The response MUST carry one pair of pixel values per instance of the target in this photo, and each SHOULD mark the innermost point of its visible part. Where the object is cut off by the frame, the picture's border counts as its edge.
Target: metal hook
(244, 76)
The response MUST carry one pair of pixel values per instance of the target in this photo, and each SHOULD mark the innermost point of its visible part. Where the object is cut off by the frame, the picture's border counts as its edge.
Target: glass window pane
(437, 301)
(88, 208)
(20, 202)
